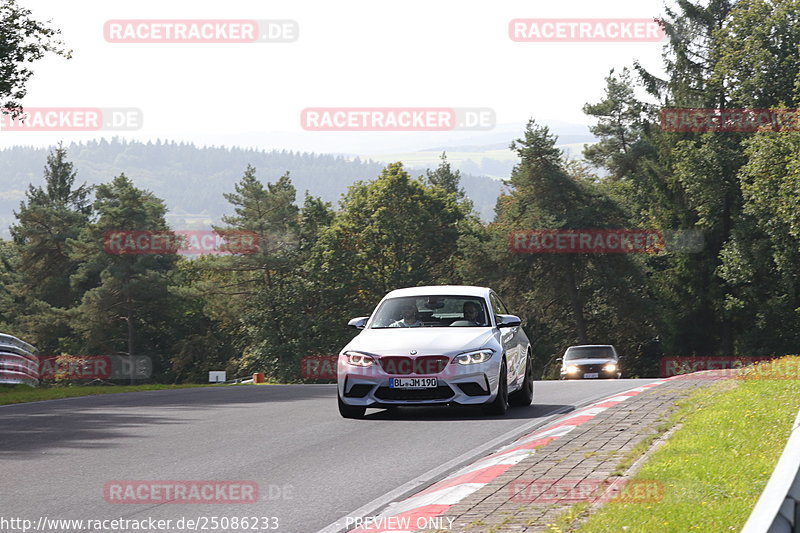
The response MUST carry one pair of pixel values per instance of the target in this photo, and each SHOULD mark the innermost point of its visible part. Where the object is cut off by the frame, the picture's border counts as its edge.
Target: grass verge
(715, 465)
(11, 394)
(564, 520)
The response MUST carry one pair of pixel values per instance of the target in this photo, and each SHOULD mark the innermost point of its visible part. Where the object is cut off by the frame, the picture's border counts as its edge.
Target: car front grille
(423, 365)
(442, 392)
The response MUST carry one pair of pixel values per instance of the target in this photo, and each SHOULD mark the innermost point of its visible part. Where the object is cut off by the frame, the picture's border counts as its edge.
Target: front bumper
(581, 374)
(457, 384)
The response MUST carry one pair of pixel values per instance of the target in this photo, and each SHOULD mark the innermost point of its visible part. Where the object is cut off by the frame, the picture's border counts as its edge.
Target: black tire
(350, 411)
(500, 404)
(524, 396)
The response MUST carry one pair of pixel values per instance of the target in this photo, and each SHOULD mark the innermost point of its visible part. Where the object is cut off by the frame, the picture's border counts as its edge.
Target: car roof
(441, 290)
(592, 346)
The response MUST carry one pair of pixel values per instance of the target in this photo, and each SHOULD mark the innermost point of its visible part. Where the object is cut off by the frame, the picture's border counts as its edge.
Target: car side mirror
(508, 321)
(559, 359)
(359, 322)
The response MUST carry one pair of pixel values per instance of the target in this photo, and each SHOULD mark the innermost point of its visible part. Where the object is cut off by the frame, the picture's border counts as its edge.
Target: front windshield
(431, 312)
(589, 352)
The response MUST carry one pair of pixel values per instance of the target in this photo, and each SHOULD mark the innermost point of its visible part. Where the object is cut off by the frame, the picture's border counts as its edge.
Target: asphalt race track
(310, 465)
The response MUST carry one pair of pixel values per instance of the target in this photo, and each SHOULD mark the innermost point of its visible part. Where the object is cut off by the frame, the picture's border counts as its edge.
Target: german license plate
(413, 383)
(591, 375)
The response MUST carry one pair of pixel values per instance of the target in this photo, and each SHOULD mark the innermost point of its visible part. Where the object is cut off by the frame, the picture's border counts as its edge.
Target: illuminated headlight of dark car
(472, 358)
(573, 369)
(610, 367)
(359, 359)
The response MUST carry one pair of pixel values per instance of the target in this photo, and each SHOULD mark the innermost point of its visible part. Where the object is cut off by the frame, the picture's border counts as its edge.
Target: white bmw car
(436, 345)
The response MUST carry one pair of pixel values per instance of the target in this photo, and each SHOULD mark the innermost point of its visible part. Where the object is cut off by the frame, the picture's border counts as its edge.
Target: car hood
(592, 361)
(426, 341)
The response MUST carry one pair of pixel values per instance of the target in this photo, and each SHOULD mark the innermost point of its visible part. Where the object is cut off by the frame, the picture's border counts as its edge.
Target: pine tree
(127, 305)
(446, 178)
(52, 215)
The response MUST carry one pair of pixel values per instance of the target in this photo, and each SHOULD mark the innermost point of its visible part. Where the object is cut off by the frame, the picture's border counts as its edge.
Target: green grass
(714, 467)
(563, 520)
(641, 447)
(10, 394)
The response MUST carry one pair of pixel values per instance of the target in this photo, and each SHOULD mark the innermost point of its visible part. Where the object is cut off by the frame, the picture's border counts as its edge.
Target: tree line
(192, 179)
(736, 294)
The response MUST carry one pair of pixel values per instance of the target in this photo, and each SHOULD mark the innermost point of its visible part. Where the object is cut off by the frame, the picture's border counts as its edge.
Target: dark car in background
(590, 361)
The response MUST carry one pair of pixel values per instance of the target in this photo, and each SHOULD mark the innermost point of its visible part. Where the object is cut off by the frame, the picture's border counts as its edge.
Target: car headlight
(472, 358)
(572, 369)
(359, 359)
(610, 367)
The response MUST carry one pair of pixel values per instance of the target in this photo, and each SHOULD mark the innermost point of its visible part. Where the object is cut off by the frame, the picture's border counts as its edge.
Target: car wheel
(350, 411)
(524, 396)
(500, 404)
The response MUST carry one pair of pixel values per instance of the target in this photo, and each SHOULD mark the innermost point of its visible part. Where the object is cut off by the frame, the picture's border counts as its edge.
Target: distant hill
(490, 160)
(562, 140)
(191, 179)
(383, 142)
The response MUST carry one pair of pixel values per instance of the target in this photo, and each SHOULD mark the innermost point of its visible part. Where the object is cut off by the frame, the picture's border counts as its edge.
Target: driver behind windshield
(409, 313)
(472, 313)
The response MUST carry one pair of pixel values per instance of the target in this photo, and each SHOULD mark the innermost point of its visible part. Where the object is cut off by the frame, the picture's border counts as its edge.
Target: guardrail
(18, 362)
(778, 508)
(239, 380)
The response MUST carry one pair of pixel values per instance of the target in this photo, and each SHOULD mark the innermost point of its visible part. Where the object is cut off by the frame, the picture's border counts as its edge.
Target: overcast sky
(416, 53)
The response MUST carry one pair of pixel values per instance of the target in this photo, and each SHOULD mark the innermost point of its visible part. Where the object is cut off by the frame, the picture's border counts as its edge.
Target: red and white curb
(421, 511)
